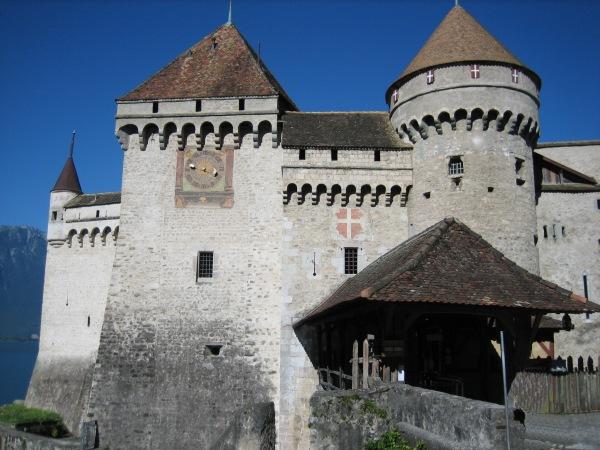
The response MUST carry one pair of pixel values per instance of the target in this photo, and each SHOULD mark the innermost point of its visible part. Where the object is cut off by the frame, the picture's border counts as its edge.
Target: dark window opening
(427, 194)
(519, 165)
(302, 154)
(242, 104)
(88, 321)
(350, 260)
(585, 286)
(598, 203)
(154, 107)
(54, 215)
(97, 213)
(490, 189)
(456, 166)
(520, 181)
(213, 349)
(564, 232)
(334, 155)
(198, 105)
(204, 265)
(377, 155)
(535, 239)
(545, 228)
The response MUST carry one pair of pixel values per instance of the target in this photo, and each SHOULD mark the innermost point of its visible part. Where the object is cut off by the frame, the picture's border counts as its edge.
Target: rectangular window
(154, 107)
(377, 155)
(198, 105)
(54, 215)
(242, 104)
(598, 203)
(97, 213)
(334, 155)
(350, 260)
(585, 286)
(204, 265)
(301, 154)
(456, 166)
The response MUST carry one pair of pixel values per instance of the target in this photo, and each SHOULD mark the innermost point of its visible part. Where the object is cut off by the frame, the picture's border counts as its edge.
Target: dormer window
(456, 166)
(475, 71)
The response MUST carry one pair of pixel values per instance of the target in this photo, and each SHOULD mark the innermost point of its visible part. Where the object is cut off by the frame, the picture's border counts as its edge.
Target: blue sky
(64, 63)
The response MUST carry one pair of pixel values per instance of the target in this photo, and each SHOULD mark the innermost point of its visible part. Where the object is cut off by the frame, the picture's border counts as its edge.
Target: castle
(171, 304)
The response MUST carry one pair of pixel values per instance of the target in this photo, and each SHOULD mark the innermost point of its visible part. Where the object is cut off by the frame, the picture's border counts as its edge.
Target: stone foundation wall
(349, 419)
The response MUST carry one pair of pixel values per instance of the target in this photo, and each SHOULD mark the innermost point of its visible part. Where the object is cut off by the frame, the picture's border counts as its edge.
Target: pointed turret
(67, 187)
(221, 65)
(68, 179)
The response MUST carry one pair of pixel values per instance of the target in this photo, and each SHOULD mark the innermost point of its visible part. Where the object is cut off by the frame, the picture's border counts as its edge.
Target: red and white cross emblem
(349, 224)
(475, 72)
(515, 75)
(395, 95)
(430, 77)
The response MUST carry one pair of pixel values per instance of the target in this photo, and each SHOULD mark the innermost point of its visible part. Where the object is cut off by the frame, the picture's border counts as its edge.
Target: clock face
(204, 178)
(203, 170)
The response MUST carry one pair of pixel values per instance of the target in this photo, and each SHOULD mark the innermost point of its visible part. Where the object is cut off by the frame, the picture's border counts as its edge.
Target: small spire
(229, 16)
(72, 145)
(456, 3)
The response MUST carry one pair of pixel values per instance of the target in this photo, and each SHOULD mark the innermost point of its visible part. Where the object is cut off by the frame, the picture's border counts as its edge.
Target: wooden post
(355, 365)
(375, 369)
(365, 364)
(328, 376)
(386, 374)
(394, 376)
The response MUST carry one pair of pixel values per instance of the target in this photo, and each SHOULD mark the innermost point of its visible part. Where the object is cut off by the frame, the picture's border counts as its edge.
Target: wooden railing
(366, 370)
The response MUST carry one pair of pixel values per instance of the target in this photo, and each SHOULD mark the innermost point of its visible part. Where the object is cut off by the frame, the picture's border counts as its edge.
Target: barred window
(350, 260)
(456, 166)
(204, 265)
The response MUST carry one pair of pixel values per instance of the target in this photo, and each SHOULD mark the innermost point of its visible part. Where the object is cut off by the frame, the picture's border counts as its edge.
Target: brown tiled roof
(221, 65)
(460, 39)
(340, 130)
(101, 198)
(68, 179)
(450, 264)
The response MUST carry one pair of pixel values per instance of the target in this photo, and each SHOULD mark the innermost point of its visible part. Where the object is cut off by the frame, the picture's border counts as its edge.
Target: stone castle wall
(564, 259)
(156, 384)
(76, 284)
(314, 236)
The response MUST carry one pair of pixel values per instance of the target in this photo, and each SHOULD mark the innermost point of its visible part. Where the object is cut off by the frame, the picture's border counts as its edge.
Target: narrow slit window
(198, 105)
(54, 215)
(564, 232)
(598, 203)
(301, 154)
(377, 156)
(334, 155)
(154, 107)
(456, 166)
(350, 260)
(242, 104)
(585, 286)
(545, 227)
(89, 321)
(97, 213)
(204, 265)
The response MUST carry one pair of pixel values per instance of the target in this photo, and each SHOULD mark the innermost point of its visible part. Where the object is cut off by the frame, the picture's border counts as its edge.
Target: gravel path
(568, 431)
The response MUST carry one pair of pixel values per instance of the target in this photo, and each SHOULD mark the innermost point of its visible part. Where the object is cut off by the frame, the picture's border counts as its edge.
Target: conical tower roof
(459, 38)
(221, 65)
(68, 179)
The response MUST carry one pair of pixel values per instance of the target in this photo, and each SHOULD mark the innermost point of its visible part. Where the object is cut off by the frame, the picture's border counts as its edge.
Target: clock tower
(192, 319)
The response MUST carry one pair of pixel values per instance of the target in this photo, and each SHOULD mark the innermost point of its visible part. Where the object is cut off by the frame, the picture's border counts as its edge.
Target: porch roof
(450, 264)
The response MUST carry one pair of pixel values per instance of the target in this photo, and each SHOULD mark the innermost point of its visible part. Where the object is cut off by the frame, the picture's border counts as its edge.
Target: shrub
(33, 420)
(392, 440)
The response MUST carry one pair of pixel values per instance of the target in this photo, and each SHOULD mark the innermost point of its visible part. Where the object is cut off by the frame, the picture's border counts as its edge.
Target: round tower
(470, 109)
(66, 187)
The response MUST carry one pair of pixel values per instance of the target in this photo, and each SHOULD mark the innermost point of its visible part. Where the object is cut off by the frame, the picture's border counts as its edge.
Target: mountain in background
(22, 260)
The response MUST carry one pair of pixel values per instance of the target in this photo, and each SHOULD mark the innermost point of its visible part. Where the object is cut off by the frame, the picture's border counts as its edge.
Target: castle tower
(470, 109)
(192, 324)
(66, 187)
